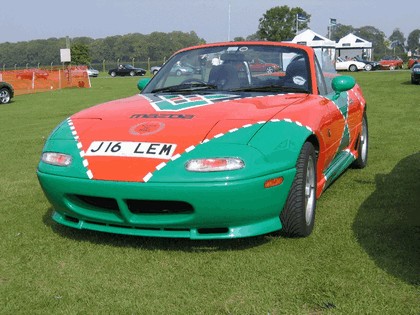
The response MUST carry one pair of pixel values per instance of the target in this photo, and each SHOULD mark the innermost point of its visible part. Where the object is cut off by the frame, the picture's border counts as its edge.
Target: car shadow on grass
(153, 243)
(387, 224)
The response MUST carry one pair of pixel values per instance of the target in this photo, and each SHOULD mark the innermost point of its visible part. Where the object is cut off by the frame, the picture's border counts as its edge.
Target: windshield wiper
(271, 88)
(186, 87)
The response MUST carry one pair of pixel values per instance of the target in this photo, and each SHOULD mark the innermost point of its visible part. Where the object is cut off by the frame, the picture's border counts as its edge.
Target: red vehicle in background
(259, 65)
(391, 63)
(413, 61)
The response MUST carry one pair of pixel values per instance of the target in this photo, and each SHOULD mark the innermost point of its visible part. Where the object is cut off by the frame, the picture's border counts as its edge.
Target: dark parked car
(6, 92)
(370, 65)
(124, 70)
(415, 74)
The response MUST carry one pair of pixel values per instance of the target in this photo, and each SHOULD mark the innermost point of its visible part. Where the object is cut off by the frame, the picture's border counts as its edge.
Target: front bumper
(218, 210)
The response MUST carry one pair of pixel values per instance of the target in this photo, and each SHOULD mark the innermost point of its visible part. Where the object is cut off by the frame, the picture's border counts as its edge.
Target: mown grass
(363, 257)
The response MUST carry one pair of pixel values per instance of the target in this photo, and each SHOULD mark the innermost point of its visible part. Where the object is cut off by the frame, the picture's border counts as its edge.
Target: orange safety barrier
(40, 80)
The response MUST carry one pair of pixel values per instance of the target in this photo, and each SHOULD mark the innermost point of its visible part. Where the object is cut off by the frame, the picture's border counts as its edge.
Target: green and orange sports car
(225, 152)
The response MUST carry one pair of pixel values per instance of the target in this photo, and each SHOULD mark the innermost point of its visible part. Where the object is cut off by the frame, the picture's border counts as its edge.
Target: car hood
(142, 132)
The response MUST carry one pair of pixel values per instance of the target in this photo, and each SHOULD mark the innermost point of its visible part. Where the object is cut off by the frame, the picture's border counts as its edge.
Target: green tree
(279, 23)
(376, 37)
(397, 35)
(397, 40)
(238, 39)
(253, 37)
(340, 30)
(413, 41)
(80, 54)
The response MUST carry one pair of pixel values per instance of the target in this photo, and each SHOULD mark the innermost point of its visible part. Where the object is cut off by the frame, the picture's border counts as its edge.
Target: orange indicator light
(273, 182)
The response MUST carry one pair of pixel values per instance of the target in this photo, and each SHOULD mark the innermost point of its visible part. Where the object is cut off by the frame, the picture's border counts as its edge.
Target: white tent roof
(353, 41)
(312, 39)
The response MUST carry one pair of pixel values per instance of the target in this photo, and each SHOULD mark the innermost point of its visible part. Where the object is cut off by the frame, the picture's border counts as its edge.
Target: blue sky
(23, 20)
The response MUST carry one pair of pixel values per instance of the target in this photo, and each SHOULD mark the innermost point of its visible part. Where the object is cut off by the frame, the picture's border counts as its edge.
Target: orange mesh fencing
(40, 80)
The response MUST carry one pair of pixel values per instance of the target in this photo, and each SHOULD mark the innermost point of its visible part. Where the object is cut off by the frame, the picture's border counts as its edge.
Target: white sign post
(65, 55)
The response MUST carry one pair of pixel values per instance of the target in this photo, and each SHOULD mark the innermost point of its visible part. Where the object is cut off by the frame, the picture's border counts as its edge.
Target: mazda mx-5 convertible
(224, 152)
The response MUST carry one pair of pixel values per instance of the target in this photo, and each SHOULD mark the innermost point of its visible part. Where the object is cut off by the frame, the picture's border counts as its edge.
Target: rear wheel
(113, 74)
(352, 68)
(4, 96)
(132, 73)
(298, 215)
(368, 67)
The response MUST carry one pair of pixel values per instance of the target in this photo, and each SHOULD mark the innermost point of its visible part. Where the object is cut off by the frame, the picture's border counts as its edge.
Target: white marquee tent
(351, 45)
(324, 47)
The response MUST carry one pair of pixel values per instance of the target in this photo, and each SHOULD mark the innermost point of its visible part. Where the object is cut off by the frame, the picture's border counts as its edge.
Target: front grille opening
(213, 230)
(158, 207)
(71, 219)
(99, 202)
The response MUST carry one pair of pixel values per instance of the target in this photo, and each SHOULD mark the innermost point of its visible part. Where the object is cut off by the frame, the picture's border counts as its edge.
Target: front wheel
(298, 215)
(4, 96)
(113, 74)
(362, 150)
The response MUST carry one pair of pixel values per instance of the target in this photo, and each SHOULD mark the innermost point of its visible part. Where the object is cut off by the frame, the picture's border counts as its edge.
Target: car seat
(225, 77)
(297, 75)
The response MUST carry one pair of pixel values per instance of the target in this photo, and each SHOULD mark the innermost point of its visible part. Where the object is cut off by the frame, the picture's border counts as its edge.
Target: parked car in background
(259, 65)
(370, 65)
(349, 65)
(412, 61)
(124, 70)
(154, 69)
(184, 69)
(6, 92)
(415, 74)
(223, 154)
(92, 72)
(391, 63)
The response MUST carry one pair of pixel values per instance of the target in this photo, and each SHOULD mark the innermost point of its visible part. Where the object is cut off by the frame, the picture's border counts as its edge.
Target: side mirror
(142, 83)
(341, 84)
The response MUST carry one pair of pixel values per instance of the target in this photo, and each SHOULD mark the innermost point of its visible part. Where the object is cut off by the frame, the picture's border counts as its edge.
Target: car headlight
(214, 165)
(55, 158)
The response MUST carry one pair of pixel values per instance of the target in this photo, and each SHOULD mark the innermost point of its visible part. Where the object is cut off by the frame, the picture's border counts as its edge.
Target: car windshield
(128, 66)
(234, 68)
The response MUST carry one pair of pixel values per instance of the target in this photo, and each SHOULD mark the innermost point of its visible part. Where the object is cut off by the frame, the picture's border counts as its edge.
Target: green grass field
(363, 257)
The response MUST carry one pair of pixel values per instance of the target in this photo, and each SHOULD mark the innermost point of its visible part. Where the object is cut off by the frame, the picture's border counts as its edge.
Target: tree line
(277, 24)
(156, 46)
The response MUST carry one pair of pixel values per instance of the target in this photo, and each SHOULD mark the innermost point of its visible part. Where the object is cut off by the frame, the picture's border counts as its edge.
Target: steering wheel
(193, 80)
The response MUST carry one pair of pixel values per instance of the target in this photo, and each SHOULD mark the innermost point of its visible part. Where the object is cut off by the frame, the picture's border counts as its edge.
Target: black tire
(4, 96)
(362, 150)
(113, 74)
(368, 67)
(352, 68)
(269, 70)
(298, 215)
(132, 73)
(154, 72)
